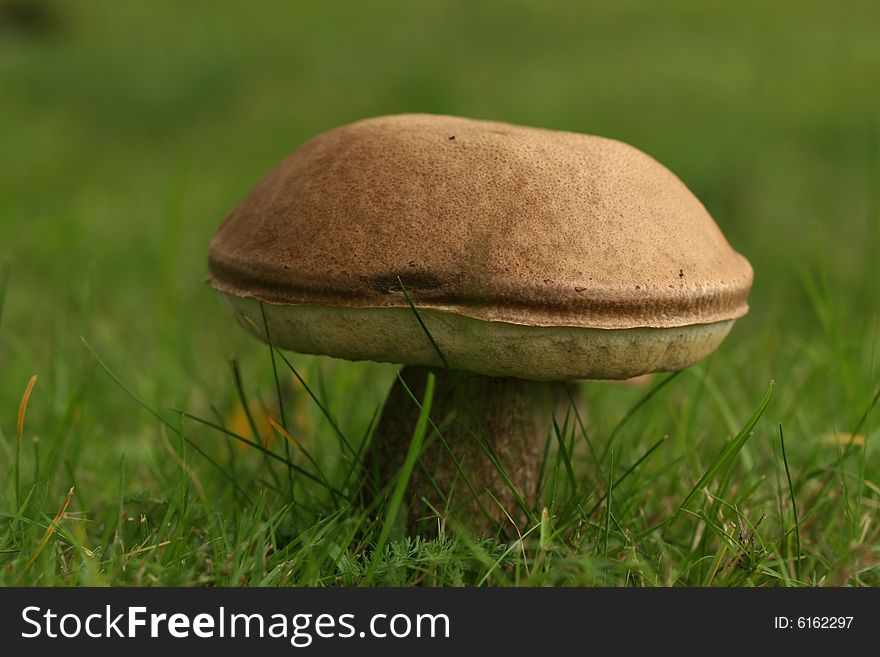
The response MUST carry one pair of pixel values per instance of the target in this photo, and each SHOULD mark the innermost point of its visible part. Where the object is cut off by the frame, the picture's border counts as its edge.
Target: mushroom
(506, 260)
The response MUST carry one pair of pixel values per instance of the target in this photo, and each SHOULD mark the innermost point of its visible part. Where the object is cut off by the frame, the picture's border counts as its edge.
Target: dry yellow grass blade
(22, 408)
(51, 529)
(284, 432)
(263, 415)
(843, 439)
(143, 549)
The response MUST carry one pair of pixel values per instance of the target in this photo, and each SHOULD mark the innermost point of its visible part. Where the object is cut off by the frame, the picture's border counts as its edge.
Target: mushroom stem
(483, 425)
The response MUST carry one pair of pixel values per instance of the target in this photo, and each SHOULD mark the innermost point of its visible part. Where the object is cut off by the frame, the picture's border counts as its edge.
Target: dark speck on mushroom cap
(502, 223)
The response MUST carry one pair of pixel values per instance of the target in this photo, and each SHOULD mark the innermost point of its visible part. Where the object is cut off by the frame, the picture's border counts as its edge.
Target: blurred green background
(128, 131)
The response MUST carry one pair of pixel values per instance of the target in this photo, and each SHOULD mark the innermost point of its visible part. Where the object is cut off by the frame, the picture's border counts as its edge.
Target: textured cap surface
(488, 220)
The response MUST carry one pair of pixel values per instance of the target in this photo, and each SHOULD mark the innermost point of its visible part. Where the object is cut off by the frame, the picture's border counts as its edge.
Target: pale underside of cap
(522, 248)
(541, 353)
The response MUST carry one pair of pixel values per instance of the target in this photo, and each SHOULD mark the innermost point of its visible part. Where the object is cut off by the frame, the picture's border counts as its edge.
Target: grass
(198, 457)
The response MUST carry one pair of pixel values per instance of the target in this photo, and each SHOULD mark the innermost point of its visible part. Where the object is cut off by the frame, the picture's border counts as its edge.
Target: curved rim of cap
(719, 302)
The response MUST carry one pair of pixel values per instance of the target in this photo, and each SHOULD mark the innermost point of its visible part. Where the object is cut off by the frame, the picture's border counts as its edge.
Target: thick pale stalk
(483, 425)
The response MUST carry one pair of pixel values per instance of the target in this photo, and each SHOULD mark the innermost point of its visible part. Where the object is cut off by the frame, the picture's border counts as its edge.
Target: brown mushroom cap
(554, 254)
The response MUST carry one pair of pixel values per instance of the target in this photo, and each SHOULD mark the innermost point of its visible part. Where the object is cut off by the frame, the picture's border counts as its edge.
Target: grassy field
(128, 130)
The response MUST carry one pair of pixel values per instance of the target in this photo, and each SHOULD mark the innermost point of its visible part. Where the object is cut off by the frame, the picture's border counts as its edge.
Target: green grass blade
(730, 450)
(357, 462)
(829, 471)
(566, 460)
(797, 528)
(318, 479)
(163, 421)
(439, 434)
(482, 443)
(325, 412)
(246, 407)
(242, 400)
(644, 457)
(608, 490)
(421, 322)
(403, 477)
(281, 413)
(644, 399)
